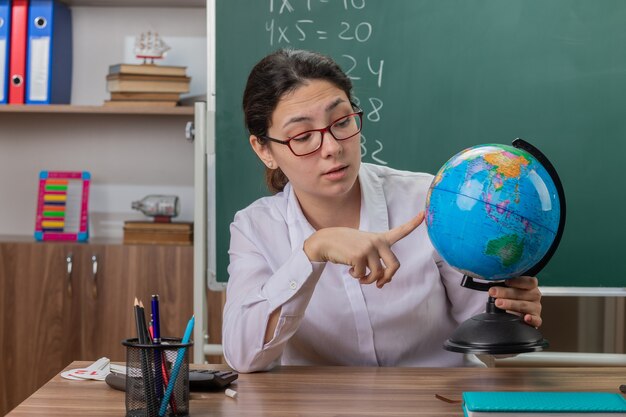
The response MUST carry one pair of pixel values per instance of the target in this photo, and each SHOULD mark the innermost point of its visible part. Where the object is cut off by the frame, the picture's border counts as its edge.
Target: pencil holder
(157, 378)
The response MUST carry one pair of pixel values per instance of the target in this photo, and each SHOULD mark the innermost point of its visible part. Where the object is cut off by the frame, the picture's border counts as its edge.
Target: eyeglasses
(306, 143)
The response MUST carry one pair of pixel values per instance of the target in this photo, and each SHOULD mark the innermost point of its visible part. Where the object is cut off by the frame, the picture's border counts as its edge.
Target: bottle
(158, 206)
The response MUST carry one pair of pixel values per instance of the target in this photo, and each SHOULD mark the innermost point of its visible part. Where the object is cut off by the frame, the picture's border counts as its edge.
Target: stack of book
(142, 232)
(146, 85)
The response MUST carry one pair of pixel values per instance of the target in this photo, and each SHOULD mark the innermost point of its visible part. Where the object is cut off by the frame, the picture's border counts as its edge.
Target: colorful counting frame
(62, 206)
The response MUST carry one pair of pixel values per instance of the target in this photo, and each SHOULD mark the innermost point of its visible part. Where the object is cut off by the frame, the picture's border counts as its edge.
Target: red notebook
(17, 60)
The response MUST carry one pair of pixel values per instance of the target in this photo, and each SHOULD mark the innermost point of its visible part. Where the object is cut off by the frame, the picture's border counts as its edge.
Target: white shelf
(72, 109)
(137, 3)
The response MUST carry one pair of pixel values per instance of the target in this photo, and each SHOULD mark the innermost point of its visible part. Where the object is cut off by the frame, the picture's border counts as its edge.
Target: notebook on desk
(533, 404)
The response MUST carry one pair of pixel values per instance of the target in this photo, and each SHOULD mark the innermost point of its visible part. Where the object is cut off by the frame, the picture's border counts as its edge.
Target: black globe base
(495, 332)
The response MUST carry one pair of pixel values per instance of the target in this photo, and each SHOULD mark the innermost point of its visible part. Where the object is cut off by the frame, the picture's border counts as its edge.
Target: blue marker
(179, 361)
(156, 339)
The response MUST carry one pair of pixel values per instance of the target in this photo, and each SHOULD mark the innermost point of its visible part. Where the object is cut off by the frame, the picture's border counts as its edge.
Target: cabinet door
(39, 319)
(123, 273)
(87, 264)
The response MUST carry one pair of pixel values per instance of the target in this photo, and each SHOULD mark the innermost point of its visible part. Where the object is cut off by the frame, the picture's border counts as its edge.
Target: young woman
(303, 260)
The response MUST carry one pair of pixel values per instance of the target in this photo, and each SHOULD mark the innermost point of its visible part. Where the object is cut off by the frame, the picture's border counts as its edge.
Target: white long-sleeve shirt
(327, 317)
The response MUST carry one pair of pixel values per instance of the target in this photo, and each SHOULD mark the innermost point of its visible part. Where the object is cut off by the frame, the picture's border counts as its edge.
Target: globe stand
(495, 331)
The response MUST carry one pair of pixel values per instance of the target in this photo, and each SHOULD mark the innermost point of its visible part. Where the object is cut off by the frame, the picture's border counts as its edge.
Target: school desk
(330, 391)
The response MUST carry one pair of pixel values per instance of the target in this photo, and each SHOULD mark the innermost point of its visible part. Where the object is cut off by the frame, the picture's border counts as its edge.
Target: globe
(493, 211)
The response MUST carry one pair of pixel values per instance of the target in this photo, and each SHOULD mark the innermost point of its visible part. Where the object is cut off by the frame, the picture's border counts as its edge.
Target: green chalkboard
(437, 76)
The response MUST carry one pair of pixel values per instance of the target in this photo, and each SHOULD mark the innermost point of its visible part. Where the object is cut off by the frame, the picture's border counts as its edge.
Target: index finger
(403, 230)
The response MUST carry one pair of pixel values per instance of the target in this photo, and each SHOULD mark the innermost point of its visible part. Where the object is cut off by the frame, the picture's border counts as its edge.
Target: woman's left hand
(521, 295)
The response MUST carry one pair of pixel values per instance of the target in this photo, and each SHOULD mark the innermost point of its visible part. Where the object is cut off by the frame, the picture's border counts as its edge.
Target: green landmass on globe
(508, 248)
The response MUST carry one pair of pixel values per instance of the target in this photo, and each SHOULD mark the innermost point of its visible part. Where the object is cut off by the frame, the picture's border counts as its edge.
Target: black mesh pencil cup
(150, 369)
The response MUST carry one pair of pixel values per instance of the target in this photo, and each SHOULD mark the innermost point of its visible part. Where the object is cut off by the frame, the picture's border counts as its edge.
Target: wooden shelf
(71, 109)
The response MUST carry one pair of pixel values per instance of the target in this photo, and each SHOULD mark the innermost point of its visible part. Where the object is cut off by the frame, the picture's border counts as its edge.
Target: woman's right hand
(362, 251)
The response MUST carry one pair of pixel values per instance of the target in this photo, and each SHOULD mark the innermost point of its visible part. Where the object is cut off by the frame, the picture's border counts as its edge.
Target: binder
(17, 48)
(49, 66)
(5, 24)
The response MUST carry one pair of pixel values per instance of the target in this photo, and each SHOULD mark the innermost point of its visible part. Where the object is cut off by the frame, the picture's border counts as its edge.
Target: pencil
(144, 328)
(142, 331)
(137, 322)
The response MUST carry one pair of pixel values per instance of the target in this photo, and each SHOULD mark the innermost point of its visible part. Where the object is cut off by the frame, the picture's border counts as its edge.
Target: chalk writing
(299, 24)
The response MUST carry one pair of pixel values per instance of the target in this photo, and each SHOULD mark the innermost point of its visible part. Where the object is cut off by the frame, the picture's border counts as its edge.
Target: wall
(100, 32)
(128, 157)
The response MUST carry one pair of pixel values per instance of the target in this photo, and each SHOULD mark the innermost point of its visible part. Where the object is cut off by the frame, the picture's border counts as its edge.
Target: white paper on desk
(84, 374)
(97, 370)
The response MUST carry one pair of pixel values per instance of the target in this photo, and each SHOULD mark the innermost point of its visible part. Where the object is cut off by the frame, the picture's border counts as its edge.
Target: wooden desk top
(326, 391)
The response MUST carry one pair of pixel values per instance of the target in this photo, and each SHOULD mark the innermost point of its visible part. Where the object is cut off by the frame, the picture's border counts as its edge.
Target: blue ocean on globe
(492, 211)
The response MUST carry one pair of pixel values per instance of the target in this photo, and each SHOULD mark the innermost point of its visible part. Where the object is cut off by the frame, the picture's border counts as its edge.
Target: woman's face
(332, 170)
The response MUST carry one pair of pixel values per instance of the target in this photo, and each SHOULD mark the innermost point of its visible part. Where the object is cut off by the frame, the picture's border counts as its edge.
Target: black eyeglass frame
(358, 112)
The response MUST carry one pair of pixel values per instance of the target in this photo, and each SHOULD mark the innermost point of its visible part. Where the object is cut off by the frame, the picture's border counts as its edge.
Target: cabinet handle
(70, 267)
(190, 131)
(94, 275)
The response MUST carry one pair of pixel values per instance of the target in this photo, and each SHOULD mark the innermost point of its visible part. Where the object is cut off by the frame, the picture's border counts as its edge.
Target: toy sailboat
(150, 46)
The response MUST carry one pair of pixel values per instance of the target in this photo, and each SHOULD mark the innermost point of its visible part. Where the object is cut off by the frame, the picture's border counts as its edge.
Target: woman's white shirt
(327, 317)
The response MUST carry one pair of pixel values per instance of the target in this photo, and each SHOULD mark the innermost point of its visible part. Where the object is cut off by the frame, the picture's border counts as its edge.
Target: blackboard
(437, 76)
